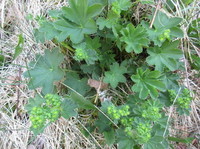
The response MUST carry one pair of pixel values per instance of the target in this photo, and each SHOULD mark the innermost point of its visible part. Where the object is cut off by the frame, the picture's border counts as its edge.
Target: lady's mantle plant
(104, 42)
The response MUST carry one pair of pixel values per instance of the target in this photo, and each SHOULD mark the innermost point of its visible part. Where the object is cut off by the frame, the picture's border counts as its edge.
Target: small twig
(106, 116)
(90, 134)
(98, 91)
(185, 64)
(71, 89)
(2, 13)
(154, 16)
(67, 46)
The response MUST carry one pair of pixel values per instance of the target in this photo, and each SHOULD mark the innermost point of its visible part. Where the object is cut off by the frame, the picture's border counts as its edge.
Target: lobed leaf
(45, 71)
(19, 47)
(135, 38)
(147, 82)
(68, 109)
(115, 75)
(77, 21)
(165, 56)
(79, 85)
(81, 101)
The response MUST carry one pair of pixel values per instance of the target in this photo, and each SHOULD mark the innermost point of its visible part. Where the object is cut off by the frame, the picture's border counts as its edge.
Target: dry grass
(14, 123)
(188, 126)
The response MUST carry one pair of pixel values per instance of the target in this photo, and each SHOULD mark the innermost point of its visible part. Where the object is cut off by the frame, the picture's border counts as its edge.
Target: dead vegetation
(14, 122)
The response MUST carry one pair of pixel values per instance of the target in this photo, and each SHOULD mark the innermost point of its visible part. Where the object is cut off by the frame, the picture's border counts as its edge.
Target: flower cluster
(80, 54)
(143, 132)
(139, 131)
(117, 113)
(151, 113)
(184, 98)
(48, 112)
(165, 35)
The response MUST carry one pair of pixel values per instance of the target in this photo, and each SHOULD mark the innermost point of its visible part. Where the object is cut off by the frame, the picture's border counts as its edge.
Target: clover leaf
(45, 71)
(115, 75)
(135, 38)
(147, 82)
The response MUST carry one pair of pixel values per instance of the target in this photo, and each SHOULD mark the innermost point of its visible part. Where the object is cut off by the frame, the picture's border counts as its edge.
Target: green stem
(67, 46)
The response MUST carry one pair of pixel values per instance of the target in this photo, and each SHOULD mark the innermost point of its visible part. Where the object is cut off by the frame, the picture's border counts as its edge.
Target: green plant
(105, 41)
(182, 101)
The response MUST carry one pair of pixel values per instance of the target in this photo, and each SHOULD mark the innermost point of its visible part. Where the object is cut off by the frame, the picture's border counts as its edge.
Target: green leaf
(109, 136)
(164, 22)
(165, 56)
(93, 43)
(183, 111)
(159, 139)
(162, 122)
(186, 140)
(81, 101)
(79, 85)
(77, 20)
(37, 101)
(176, 32)
(161, 24)
(115, 75)
(102, 2)
(68, 109)
(153, 34)
(156, 142)
(2, 59)
(193, 32)
(170, 80)
(48, 30)
(124, 142)
(135, 38)
(90, 69)
(147, 82)
(164, 99)
(160, 130)
(45, 71)
(103, 123)
(87, 50)
(55, 13)
(120, 5)
(187, 2)
(37, 131)
(107, 56)
(109, 22)
(196, 62)
(39, 36)
(94, 70)
(147, 1)
(19, 47)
